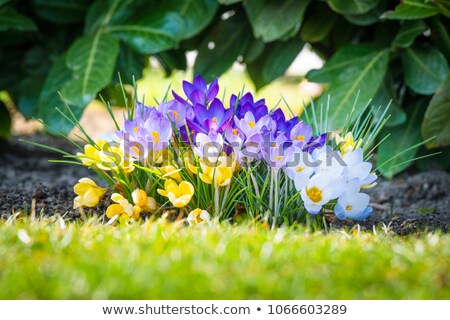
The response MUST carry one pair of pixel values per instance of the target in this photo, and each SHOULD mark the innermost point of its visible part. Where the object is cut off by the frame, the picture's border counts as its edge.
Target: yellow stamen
(348, 207)
(214, 119)
(299, 169)
(279, 158)
(155, 136)
(301, 138)
(251, 124)
(314, 194)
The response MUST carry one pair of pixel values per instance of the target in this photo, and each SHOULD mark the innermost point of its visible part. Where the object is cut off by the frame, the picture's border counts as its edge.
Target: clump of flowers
(210, 158)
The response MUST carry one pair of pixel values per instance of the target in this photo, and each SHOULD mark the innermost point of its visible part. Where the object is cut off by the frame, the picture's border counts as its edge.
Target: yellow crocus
(170, 171)
(140, 199)
(198, 216)
(123, 208)
(178, 194)
(220, 176)
(113, 158)
(348, 143)
(91, 156)
(89, 193)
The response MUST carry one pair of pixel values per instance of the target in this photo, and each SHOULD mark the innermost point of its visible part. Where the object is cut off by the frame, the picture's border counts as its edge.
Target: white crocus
(353, 206)
(299, 167)
(320, 189)
(358, 168)
(328, 161)
(209, 147)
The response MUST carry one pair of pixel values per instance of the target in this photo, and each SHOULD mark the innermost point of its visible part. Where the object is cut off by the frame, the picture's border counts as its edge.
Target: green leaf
(171, 60)
(271, 19)
(10, 19)
(228, 2)
(425, 69)
(408, 33)
(61, 12)
(401, 138)
(197, 14)
(352, 6)
(274, 61)
(361, 79)
(104, 12)
(129, 64)
(49, 98)
(318, 23)
(386, 95)
(340, 61)
(412, 9)
(255, 49)
(152, 34)
(92, 60)
(437, 117)
(29, 91)
(230, 38)
(5, 121)
(368, 18)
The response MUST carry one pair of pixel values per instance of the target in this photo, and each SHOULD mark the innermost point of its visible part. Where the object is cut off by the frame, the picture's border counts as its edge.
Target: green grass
(51, 259)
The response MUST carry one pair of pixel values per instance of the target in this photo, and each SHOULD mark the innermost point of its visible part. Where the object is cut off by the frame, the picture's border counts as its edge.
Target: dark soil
(409, 203)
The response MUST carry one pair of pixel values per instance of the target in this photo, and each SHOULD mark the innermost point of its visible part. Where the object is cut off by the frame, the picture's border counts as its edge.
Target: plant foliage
(388, 50)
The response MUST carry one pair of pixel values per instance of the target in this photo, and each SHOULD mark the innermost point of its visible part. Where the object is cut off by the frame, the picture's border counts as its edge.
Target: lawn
(52, 259)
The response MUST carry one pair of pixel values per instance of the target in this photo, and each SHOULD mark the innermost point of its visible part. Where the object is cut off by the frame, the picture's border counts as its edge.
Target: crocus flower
(209, 146)
(122, 209)
(300, 134)
(91, 157)
(198, 216)
(113, 157)
(175, 111)
(213, 119)
(347, 144)
(328, 161)
(353, 206)
(146, 203)
(172, 172)
(249, 125)
(178, 194)
(299, 166)
(198, 92)
(358, 168)
(246, 104)
(89, 193)
(273, 150)
(220, 176)
(321, 188)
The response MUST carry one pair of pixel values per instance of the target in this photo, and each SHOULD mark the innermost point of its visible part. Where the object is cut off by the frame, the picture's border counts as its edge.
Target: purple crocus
(300, 134)
(214, 120)
(198, 92)
(175, 111)
(246, 104)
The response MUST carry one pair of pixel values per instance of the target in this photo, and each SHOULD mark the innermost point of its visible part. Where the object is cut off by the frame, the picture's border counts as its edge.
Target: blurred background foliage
(387, 51)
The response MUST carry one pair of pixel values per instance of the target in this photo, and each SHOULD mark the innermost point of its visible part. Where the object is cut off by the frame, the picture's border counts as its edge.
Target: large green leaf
(230, 39)
(104, 12)
(318, 23)
(408, 33)
(364, 19)
(425, 69)
(386, 95)
(172, 60)
(10, 19)
(129, 64)
(228, 2)
(360, 80)
(272, 19)
(341, 60)
(29, 91)
(50, 99)
(5, 121)
(412, 9)
(61, 12)
(400, 139)
(152, 34)
(274, 61)
(197, 14)
(437, 117)
(352, 6)
(92, 60)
